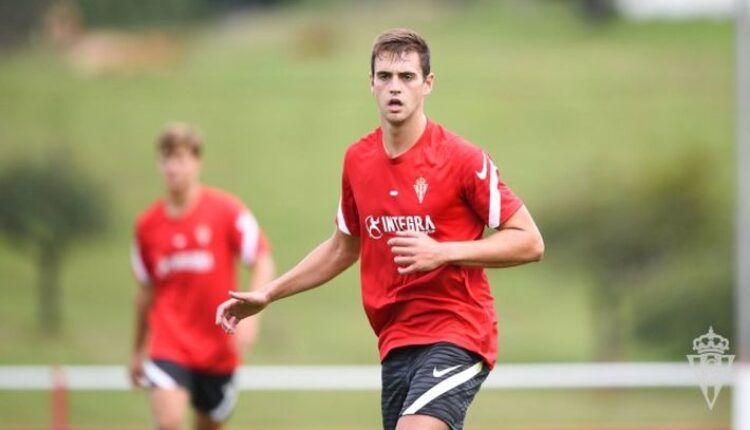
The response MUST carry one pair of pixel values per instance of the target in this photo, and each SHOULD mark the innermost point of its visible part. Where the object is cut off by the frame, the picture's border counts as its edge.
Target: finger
(408, 233)
(401, 241)
(402, 250)
(404, 261)
(227, 327)
(233, 320)
(225, 324)
(220, 311)
(407, 270)
(238, 295)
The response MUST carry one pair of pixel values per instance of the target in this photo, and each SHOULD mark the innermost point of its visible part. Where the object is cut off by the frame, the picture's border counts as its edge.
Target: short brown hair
(179, 135)
(399, 41)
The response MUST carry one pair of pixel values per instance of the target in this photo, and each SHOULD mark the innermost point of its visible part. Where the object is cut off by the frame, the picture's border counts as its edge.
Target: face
(399, 86)
(180, 169)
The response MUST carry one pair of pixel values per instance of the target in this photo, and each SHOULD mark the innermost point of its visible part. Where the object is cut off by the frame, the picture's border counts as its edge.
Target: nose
(394, 87)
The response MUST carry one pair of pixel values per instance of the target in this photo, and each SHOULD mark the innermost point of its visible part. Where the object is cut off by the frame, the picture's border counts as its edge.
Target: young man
(184, 255)
(414, 202)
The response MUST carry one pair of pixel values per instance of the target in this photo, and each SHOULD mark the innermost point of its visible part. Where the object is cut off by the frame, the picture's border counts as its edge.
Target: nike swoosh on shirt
(483, 174)
(440, 373)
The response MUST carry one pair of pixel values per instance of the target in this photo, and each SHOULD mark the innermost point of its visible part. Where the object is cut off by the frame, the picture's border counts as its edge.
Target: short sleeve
(247, 238)
(139, 262)
(490, 198)
(347, 215)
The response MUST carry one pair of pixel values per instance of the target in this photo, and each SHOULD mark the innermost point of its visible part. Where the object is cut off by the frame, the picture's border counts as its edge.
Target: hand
(416, 252)
(135, 370)
(241, 305)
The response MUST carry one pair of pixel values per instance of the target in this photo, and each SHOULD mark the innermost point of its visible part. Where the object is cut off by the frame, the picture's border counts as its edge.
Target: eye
(384, 76)
(408, 76)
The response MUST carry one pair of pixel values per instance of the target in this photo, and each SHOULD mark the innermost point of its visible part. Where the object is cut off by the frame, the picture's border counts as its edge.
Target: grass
(654, 408)
(550, 98)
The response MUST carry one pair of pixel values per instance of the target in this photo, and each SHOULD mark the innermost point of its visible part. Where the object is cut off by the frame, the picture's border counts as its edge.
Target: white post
(741, 398)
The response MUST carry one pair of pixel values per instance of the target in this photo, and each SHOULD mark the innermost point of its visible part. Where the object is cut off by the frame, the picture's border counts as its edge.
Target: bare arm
(517, 242)
(143, 301)
(262, 273)
(325, 262)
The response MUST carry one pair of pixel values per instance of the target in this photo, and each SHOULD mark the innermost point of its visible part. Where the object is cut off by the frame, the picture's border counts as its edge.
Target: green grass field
(516, 409)
(549, 97)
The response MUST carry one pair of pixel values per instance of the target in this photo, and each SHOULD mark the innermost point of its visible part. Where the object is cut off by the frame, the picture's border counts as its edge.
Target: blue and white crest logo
(710, 364)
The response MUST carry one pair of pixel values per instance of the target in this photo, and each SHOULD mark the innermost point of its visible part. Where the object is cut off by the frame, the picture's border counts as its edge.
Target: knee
(420, 422)
(168, 420)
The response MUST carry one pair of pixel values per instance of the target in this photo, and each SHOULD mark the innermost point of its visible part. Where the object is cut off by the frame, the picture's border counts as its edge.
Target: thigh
(205, 422)
(445, 381)
(168, 407)
(213, 396)
(421, 422)
(395, 376)
(169, 392)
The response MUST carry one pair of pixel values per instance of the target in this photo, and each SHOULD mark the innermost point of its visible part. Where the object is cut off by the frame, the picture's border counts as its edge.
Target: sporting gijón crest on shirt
(447, 188)
(190, 263)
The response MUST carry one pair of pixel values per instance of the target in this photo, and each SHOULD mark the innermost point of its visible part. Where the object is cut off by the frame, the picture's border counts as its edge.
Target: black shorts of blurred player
(172, 386)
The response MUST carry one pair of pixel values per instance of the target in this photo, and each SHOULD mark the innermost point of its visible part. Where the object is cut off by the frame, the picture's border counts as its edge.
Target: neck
(178, 202)
(399, 138)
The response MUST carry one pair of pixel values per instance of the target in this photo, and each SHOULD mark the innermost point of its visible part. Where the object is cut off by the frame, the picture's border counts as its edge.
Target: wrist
(270, 292)
(448, 253)
(139, 351)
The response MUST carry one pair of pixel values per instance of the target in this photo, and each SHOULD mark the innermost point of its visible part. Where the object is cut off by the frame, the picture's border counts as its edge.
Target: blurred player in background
(184, 258)
(415, 199)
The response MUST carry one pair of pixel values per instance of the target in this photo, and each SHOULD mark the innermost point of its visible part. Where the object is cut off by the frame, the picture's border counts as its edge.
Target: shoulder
(217, 197)
(364, 147)
(149, 217)
(456, 148)
(222, 203)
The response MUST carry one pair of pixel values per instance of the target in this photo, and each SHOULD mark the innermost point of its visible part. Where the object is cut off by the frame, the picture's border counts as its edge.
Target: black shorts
(212, 394)
(439, 380)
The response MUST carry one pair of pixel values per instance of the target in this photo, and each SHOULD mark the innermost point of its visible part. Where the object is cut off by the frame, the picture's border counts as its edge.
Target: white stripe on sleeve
(341, 222)
(250, 232)
(139, 269)
(493, 220)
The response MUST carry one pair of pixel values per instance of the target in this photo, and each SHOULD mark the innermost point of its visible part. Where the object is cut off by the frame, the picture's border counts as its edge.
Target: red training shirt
(448, 188)
(190, 262)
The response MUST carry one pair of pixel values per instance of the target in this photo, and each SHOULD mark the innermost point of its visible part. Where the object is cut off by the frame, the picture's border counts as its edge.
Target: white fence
(504, 376)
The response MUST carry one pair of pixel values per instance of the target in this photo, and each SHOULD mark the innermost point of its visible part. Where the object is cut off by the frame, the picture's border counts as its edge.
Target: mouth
(395, 105)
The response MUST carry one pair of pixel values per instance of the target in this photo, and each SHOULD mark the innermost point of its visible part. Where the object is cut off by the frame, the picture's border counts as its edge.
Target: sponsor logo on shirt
(198, 261)
(377, 226)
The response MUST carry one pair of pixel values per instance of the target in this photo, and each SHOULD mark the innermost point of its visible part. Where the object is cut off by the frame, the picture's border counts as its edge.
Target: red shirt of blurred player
(190, 261)
(184, 256)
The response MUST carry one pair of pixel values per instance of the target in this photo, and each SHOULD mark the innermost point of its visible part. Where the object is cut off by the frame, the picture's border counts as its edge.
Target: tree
(44, 209)
(18, 19)
(643, 240)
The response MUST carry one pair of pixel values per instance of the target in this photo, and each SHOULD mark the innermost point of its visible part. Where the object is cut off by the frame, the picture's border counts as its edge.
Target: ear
(428, 82)
(372, 84)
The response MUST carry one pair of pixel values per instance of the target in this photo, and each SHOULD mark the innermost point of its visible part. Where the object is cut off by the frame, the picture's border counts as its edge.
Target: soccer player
(415, 199)
(184, 258)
